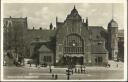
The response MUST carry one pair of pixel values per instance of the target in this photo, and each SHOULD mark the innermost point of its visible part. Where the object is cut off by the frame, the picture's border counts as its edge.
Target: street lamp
(69, 67)
(68, 74)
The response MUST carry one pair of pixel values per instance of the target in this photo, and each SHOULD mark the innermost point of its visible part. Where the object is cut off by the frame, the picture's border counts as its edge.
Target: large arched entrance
(73, 49)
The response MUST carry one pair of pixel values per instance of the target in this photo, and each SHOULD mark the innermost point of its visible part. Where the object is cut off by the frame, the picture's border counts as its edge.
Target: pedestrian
(36, 65)
(109, 65)
(81, 70)
(30, 64)
(56, 76)
(78, 70)
(72, 72)
(50, 70)
(85, 70)
(52, 76)
(75, 70)
(117, 65)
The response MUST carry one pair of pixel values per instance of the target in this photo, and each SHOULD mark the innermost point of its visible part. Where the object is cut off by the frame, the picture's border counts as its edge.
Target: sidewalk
(87, 68)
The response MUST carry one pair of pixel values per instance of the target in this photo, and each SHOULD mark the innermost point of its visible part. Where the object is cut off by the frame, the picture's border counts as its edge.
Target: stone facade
(70, 41)
(113, 39)
(14, 35)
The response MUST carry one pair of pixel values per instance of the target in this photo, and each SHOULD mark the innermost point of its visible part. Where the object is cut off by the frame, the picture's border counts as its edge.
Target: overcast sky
(42, 14)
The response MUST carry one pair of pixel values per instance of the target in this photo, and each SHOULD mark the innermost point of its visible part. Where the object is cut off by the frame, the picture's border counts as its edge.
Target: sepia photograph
(63, 41)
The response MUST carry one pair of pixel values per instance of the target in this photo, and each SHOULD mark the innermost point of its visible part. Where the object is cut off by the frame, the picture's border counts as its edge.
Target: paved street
(43, 73)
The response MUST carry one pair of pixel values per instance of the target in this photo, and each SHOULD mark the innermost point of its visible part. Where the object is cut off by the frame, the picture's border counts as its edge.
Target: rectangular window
(47, 58)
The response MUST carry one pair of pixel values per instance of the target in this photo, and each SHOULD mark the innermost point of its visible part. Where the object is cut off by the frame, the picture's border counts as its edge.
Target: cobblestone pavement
(40, 73)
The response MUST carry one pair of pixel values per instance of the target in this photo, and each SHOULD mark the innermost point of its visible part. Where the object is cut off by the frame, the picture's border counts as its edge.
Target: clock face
(73, 43)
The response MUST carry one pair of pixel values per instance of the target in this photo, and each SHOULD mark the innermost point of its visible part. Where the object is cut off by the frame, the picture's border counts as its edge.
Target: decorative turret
(74, 10)
(56, 19)
(113, 39)
(51, 26)
(74, 15)
(112, 23)
(86, 21)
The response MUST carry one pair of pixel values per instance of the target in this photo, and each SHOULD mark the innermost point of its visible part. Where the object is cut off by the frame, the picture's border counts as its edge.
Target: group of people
(80, 70)
(54, 76)
(108, 65)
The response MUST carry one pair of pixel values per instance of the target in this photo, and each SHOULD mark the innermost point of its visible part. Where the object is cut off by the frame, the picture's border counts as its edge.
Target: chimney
(86, 21)
(56, 19)
(33, 28)
(51, 26)
(40, 28)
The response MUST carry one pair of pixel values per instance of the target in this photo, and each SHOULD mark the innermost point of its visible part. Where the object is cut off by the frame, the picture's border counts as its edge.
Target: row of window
(98, 60)
(47, 58)
(73, 39)
(73, 50)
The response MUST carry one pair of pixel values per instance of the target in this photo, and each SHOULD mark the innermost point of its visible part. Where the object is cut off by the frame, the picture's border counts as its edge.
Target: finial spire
(74, 7)
(86, 21)
(112, 10)
(56, 19)
(51, 26)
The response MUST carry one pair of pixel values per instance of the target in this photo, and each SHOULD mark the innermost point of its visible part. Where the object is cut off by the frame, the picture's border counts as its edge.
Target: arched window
(73, 44)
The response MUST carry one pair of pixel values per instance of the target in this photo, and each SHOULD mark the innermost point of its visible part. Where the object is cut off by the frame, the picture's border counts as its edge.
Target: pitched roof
(59, 24)
(42, 34)
(97, 32)
(113, 23)
(44, 48)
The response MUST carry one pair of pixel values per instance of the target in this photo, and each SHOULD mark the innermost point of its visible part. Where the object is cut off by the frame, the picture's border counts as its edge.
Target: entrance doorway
(98, 60)
(74, 60)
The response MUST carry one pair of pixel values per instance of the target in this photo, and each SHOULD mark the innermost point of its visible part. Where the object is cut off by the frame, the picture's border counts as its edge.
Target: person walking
(117, 65)
(75, 70)
(56, 77)
(30, 64)
(52, 76)
(50, 70)
(78, 70)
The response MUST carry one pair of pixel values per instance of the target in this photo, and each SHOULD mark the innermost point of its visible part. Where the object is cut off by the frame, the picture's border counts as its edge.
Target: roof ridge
(44, 48)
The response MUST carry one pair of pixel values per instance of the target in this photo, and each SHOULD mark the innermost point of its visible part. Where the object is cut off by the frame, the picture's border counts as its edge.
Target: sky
(42, 14)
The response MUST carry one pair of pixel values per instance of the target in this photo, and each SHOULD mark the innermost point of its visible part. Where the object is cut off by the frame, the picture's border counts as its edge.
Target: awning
(73, 55)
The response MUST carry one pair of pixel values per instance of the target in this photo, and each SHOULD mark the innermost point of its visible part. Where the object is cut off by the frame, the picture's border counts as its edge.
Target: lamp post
(69, 70)
(68, 74)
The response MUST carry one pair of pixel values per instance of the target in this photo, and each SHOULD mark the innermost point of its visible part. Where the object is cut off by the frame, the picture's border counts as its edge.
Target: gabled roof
(97, 32)
(44, 35)
(44, 48)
